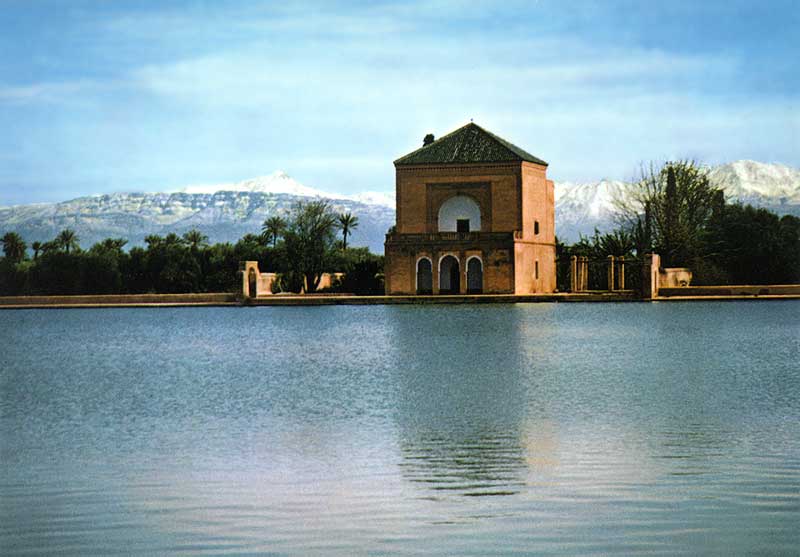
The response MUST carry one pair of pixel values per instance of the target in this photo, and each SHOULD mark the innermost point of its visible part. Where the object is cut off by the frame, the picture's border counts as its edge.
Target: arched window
(449, 275)
(460, 213)
(424, 276)
(474, 275)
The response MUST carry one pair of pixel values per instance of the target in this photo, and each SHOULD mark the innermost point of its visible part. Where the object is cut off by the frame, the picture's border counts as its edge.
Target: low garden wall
(119, 299)
(737, 290)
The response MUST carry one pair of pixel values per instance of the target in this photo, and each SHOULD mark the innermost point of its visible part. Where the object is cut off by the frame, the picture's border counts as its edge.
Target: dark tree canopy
(309, 241)
(668, 210)
(13, 247)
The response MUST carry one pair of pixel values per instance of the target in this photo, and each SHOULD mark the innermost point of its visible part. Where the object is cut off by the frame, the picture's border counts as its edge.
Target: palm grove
(672, 210)
(299, 247)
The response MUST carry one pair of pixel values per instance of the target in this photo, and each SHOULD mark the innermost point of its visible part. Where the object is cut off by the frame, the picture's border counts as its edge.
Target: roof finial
(470, 121)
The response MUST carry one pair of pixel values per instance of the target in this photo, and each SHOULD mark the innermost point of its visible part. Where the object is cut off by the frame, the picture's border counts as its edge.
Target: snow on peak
(595, 199)
(375, 198)
(280, 182)
(277, 182)
(750, 180)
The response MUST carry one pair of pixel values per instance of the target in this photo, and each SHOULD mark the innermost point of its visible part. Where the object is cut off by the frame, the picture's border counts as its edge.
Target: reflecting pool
(629, 428)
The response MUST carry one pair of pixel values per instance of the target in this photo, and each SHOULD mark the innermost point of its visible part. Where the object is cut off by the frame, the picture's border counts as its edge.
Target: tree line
(675, 211)
(672, 210)
(299, 248)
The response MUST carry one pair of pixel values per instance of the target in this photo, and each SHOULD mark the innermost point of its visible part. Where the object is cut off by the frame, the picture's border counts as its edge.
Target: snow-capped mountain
(582, 207)
(225, 212)
(280, 182)
(758, 183)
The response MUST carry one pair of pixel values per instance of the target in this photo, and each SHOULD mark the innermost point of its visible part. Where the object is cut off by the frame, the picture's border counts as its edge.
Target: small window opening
(536, 270)
(462, 225)
(536, 227)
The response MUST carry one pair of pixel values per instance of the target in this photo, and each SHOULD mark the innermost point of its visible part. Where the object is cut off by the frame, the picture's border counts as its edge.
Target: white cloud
(45, 92)
(333, 97)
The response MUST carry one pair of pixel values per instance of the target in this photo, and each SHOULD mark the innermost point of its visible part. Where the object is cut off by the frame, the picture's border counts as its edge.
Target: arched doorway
(251, 283)
(474, 276)
(449, 275)
(424, 276)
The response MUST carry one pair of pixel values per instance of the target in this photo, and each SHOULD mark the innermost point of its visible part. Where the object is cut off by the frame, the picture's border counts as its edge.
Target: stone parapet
(450, 238)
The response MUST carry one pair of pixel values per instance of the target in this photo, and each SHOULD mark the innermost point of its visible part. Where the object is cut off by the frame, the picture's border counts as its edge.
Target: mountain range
(225, 212)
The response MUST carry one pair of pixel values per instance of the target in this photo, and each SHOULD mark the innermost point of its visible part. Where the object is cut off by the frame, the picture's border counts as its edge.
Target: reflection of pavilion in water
(465, 463)
(463, 425)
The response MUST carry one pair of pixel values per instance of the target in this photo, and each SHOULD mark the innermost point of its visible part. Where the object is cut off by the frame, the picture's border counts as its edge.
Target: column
(585, 274)
(652, 263)
(611, 273)
(573, 273)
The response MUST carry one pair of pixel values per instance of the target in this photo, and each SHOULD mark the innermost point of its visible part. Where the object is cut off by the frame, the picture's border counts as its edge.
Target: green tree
(172, 239)
(363, 272)
(37, 247)
(250, 247)
(221, 268)
(670, 207)
(109, 245)
(195, 239)
(751, 246)
(50, 246)
(13, 247)
(346, 222)
(135, 272)
(58, 272)
(104, 267)
(13, 273)
(170, 265)
(153, 240)
(67, 240)
(273, 228)
(308, 240)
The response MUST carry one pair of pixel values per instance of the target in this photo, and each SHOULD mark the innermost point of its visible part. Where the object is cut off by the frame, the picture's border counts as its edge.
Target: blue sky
(100, 96)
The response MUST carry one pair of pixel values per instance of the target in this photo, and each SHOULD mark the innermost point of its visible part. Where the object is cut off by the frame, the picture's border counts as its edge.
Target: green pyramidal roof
(468, 144)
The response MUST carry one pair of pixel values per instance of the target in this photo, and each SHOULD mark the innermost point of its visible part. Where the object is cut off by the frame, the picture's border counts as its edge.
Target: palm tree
(37, 247)
(115, 243)
(273, 228)
(49, 247)
(110, 244)
(172, 239)
(153, 240)
(347, 223)
(13, 247)
(195, 239)
(67, 239)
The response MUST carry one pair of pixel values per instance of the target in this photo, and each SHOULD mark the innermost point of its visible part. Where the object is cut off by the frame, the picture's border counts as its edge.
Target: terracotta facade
(508, 248)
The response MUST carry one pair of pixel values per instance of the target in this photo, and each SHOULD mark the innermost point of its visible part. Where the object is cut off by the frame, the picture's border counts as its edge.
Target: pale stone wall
(327, 280)
(672, 277)
(650, 275)
(265, 281)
